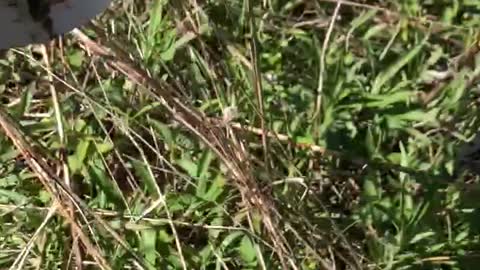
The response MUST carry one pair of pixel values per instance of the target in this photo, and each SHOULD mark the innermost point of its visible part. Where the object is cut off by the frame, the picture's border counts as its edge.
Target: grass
(273, 134)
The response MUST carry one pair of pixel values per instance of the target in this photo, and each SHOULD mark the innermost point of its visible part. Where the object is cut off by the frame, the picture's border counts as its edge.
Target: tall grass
(273, 134)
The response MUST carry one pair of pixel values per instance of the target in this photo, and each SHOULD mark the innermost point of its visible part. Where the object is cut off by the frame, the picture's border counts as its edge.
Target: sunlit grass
(355, 166)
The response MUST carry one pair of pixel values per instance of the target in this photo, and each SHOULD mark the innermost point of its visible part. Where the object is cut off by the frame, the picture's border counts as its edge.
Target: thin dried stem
(77, 251)
(213, 136)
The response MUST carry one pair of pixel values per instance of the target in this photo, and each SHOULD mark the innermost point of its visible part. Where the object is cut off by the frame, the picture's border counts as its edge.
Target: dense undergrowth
(361, 119)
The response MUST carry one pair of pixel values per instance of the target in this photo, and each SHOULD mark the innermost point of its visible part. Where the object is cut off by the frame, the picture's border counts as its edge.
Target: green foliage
(365, 183)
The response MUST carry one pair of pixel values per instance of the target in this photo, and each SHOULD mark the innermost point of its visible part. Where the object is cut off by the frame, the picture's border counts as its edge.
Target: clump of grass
(253, 135)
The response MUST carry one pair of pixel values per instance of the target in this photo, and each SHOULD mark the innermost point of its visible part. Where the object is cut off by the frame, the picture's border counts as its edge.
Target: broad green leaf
(394, 69)
(247, 249)
(76, 58)
(100, 178)
(148, 243)
(142, 171)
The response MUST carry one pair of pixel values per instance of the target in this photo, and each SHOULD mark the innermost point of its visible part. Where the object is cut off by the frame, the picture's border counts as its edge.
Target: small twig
(62, 154)
(395, 14)
(443, 78)
(20, 260)
(363, 163)
(257, 81)
(321, 73)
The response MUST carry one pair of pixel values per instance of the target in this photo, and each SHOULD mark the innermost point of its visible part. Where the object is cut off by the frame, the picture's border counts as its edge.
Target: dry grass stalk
(204, 128)
(52, 184)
